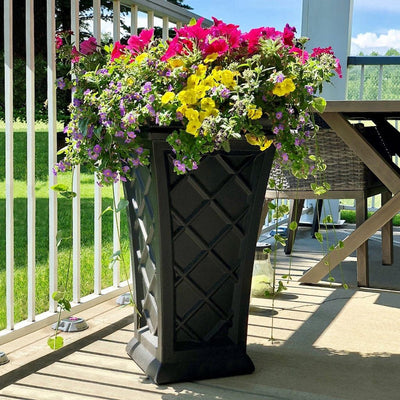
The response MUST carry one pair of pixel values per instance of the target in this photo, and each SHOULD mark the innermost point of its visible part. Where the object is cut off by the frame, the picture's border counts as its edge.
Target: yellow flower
(207, 103)
(211, 57)
(192, 81)
(167, 97)
(182, 109)
(141, 57)
(284, 88)
(210, 111)
(129, 81)
(191, 114)
(175, 63)
(262, 142)
(209, 82)
(201, 70)
(254, 113)
(227, 79)
(193, 127)
(187, 97)
(200, 91)
(216, 74)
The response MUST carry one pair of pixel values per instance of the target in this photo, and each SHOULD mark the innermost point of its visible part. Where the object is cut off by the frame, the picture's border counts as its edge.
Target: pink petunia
(288, 35)
(300, 53)
(219, 46)
(118, 51)
(138, 43)
(338, 68)
(88, 46)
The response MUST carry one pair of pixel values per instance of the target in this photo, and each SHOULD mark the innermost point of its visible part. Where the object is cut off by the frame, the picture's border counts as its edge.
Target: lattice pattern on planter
(207, 230)
(144, 231)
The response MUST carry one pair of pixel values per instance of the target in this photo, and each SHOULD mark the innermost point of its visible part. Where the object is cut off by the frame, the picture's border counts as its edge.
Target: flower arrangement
(212, 85)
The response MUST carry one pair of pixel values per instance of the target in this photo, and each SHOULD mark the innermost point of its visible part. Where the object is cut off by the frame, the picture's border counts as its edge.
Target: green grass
(42, 235)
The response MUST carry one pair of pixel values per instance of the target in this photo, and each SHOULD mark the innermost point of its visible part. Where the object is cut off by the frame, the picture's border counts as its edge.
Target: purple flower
(151, 98)
(102, 71)
(225, 93)
(179, 166)
(107, 173)
(310, 89)
(139, 150)
(60, 83)
(280, 78)
(285, 157)
(76, 102)
(278, 145)
(131, 135)
(97, 148)
(119, 134)
(151, 110)
(87, 92)
(279, 115)
(90, 131)
(125, 169)
(130, 118)
(146, 87)
(137, 96)
(281, 127)
(275, 130)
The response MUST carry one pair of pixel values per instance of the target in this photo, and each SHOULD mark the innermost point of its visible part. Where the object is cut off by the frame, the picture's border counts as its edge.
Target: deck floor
(330, 343)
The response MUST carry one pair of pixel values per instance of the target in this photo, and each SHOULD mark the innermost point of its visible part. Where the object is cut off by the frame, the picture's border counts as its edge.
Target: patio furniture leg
(317, 217)
(362, 250)
(353, 241)
(387, 234)
(296, 208)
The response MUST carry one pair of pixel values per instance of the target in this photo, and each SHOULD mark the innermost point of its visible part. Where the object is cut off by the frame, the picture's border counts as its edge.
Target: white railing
(169, 14)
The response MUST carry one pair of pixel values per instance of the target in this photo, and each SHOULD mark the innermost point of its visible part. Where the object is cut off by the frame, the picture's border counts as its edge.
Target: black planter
(193, 239)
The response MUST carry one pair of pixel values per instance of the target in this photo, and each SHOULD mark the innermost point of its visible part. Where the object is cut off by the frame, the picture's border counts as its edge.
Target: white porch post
(328, 23)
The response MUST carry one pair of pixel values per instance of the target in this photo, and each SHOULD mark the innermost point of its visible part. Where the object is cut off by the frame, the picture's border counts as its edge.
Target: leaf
(68, 195)
(122, 205)
(331, 279)
(345, 286)
(226, 146)
(319, 237)
(82, 125)
(59, 187)
(327, 220)
(192, 22)
(319, 103)
(58, 296)
(65, 304)
(293, 226)
(55, 343)
(106, 210)
(340, 244)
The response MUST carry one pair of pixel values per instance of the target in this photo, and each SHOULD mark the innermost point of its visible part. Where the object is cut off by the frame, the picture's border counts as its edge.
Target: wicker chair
(349, 179)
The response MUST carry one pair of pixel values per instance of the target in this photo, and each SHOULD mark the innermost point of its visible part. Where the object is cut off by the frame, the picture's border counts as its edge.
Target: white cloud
(369, 41)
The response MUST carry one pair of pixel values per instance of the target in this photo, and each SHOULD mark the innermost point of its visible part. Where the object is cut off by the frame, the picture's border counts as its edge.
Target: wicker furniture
(349, 179)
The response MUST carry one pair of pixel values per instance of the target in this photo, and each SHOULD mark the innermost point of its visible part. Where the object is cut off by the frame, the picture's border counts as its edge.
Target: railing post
(52, 157)
(8, 97)
(30, 162)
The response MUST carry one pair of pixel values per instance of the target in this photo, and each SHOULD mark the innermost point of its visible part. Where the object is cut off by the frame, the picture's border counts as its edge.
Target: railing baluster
(52, 146)
(76, 202)
(30, 162)
(380, 78)
(97, 189)
(134, 19)
(116, 186)
(165, 28)
(8, 96)
(150, 19)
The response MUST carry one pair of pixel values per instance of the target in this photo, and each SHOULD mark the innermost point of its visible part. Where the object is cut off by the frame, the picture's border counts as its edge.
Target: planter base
(215, 365)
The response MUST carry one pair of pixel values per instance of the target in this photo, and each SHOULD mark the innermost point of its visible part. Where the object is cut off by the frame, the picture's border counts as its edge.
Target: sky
(375, 25)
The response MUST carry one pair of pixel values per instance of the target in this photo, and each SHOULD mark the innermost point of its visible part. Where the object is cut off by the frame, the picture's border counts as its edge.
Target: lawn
(42, 221)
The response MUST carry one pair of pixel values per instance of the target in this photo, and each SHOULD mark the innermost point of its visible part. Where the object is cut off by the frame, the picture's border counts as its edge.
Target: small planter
(193, 240)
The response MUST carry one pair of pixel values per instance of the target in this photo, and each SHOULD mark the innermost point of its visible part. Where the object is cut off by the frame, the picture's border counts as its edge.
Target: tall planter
(193, 240)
